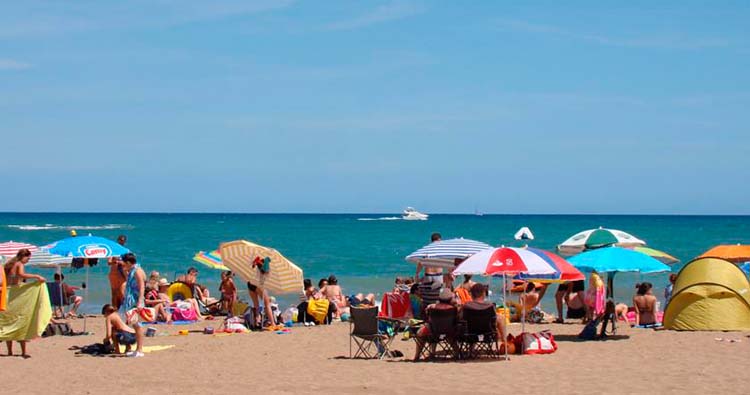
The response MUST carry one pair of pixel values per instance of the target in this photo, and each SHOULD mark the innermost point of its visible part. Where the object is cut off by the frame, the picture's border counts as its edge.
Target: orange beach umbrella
(731, 252)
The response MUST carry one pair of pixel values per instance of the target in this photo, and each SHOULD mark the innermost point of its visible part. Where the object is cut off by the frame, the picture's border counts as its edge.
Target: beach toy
(289, 324)
(183, 332)
(150, 332)
(208, 330)
(179, 291)
(345, 317)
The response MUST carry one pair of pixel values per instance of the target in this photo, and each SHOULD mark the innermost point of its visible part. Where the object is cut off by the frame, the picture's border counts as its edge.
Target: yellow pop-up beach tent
(710, 294)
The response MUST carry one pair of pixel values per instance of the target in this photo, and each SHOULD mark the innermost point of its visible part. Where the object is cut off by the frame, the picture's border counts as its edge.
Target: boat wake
(70, 227)
(380, 219)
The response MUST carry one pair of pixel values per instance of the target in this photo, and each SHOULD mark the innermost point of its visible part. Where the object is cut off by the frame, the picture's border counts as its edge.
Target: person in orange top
(117, 276)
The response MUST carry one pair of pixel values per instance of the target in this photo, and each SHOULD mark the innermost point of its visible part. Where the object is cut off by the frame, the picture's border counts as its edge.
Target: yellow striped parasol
(283, 276)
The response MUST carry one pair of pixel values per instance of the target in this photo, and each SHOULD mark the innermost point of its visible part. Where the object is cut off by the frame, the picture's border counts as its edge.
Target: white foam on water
(70, 227)
(380, 219)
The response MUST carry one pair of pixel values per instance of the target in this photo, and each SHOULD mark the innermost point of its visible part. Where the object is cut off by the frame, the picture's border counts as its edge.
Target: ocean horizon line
(468, 214)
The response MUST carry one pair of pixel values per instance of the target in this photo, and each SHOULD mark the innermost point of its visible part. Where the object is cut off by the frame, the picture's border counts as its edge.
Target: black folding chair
(480, 336)
(363, 331)
(442, 340)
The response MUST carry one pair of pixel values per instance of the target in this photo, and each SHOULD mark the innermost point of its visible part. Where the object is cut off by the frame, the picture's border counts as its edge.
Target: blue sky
(369, 106)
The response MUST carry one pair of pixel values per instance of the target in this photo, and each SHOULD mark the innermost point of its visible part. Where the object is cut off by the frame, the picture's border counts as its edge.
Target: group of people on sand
(336, 304)
(590, 303)
(584, 303)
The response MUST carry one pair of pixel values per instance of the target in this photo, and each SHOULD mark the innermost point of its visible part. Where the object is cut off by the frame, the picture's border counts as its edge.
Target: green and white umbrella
(596, 238)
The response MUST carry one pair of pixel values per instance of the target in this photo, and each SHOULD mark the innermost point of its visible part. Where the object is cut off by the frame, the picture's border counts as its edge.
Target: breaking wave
(70, 227)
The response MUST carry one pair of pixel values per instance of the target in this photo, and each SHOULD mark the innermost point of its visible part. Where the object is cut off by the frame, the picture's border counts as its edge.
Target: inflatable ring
(179, 291)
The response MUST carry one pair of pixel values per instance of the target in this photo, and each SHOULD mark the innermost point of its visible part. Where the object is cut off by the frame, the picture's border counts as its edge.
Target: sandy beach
(316, 359)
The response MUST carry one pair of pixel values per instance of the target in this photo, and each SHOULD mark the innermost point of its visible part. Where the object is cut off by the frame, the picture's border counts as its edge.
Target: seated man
(69, 296)
(119, 333)
(478, 302)
(445, 302)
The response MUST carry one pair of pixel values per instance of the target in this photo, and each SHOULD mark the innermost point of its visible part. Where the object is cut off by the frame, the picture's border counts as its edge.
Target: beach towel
(27, 312)
(395, 305)
(595, 299)
(131, 290)
(3, 294)
(149, 349)
(631, 317)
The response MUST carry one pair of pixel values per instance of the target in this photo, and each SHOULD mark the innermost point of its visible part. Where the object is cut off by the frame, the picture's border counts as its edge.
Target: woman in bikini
(15, 273)
(333, 293)
(644, 303)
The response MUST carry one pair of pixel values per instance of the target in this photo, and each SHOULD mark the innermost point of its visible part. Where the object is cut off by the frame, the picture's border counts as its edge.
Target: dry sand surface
(316, 359)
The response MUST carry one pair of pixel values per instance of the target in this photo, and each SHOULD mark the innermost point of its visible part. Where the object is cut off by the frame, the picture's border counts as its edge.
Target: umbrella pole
(523, 312)
(505, 313)
(59, 271)
(87, 297)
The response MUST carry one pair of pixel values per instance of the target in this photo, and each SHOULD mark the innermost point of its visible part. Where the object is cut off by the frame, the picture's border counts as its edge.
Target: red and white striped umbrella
(10, 249)
(505, 260)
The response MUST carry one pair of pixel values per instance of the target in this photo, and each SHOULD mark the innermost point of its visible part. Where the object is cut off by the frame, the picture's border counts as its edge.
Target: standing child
(228, 292)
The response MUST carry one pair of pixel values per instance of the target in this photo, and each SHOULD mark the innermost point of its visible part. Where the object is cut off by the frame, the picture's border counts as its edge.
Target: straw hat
(163, 282)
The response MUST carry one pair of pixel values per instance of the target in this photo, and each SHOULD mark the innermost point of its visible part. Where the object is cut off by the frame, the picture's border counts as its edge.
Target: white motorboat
(411, 214)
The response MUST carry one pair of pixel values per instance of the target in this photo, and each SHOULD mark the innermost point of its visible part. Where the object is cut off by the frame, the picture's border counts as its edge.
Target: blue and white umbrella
(443, 253)
(87, 247)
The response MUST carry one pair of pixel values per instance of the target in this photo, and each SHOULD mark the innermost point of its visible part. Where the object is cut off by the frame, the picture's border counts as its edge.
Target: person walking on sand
(117, 275)
(15, 273)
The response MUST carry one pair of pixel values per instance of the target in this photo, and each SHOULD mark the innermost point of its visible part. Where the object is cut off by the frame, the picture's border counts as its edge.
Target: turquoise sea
(365, 251)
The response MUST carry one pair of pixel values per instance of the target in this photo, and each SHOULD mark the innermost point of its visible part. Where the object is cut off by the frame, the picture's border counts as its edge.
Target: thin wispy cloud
(72, 17)
(670, 40)
(382, 14)
(10, 64)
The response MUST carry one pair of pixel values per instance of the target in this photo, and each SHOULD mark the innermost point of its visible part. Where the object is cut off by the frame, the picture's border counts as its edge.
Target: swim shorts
(126, 338)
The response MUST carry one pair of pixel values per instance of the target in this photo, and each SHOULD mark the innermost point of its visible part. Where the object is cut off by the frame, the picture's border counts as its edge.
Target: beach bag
(57, 329)
(179, 314)
(589, 331)
(318, 309)
(145, 314)
(539, 343)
